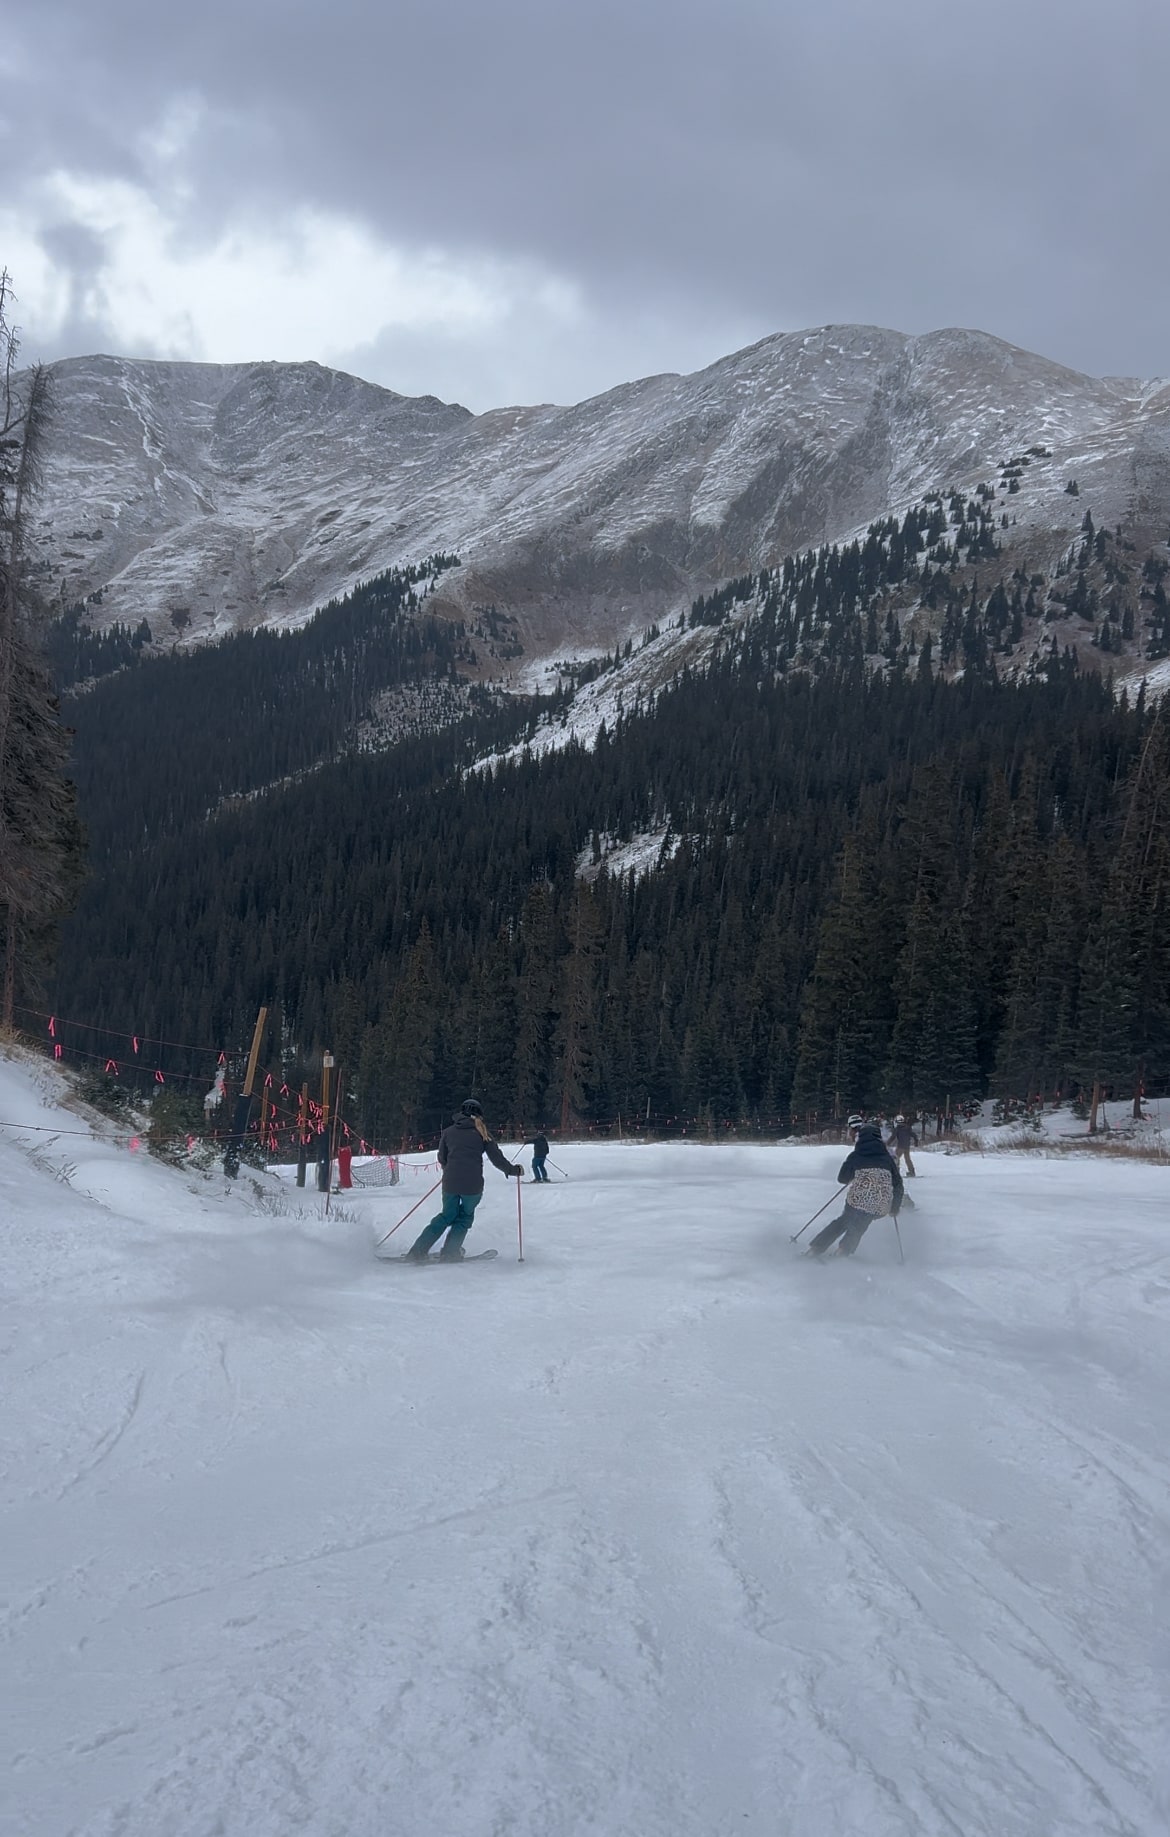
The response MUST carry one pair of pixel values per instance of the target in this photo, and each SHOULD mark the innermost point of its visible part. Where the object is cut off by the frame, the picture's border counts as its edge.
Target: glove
(516, 1173)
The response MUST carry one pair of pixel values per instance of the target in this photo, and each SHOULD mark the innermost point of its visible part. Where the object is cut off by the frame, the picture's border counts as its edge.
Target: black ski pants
(851, 1226)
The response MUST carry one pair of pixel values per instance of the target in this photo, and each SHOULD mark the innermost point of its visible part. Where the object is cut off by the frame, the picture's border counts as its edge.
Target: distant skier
(902, 1139)
(539, 1147)
(875, 1190)
(462, 1147)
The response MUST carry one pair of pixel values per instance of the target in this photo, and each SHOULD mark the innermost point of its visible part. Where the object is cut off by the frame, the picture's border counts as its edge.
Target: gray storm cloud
(700, 173)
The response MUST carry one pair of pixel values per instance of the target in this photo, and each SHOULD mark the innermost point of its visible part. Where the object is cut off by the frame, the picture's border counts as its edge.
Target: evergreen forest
(877, 869)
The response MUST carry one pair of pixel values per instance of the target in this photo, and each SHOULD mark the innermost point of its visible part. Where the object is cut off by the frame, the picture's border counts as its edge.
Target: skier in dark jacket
(462, 1147)
(875, 1190)
(902, 1139)
(539, 1147)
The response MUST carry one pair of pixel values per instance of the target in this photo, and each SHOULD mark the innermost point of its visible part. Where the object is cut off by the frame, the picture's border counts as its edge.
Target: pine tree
(841, 1038)
(40, 846)
(399, 1053)
(576, 1043)
(1125, 968)
(930, 1023)
(1024, 914)
(488, 1047)
(538, 1010)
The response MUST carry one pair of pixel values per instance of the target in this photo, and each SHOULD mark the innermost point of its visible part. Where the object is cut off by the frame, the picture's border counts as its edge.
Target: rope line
(116, 1033)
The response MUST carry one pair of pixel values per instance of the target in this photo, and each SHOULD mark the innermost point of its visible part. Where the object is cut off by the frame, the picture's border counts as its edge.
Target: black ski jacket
(538, 1145)
(461, 1152)
(871, 1151)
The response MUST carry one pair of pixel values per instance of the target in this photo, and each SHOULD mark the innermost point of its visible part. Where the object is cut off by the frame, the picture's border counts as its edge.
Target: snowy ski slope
(667, 1533)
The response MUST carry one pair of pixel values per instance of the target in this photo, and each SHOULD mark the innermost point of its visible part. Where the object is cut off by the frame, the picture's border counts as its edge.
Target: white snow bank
(1059, 1125)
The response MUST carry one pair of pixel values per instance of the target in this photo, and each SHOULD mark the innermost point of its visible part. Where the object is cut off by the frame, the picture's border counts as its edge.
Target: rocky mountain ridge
(208, 498)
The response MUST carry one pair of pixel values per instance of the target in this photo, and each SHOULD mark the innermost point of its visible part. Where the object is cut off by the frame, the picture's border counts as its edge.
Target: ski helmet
(855, 1121)
(470, 1107)
(899, 1119)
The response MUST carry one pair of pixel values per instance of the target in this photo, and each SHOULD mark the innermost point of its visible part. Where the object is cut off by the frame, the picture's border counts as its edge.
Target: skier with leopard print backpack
(875, 1191)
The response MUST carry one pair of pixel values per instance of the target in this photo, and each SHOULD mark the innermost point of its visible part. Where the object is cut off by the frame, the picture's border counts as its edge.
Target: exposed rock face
(207, 497)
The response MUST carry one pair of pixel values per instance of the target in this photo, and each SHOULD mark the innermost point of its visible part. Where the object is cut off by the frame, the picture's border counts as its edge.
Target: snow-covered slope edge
(604, 1542)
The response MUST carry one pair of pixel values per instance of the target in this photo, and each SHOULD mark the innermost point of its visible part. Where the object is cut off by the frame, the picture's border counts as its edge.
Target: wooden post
(257, 1036)
(302, 1132)
(331, 1139)
(323, 1143)
(231, 1160)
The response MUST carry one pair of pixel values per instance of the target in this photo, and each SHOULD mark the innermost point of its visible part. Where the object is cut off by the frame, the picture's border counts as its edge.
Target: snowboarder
(462, 1147)
(902, 1139)
(539, 1147)
(875, 1190)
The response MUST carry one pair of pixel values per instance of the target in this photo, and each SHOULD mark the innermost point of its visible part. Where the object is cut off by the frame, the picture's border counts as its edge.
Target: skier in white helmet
(900, 1141)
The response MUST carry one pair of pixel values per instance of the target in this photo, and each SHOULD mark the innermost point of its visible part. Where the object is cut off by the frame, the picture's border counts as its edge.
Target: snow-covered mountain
(207, 497)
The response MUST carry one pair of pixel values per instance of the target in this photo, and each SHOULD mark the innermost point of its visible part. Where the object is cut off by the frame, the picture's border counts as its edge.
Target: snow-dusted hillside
(205, 497)
(666, 1532)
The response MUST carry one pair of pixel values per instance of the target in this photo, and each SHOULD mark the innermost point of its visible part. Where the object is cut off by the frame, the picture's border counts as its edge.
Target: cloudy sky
(522, 200)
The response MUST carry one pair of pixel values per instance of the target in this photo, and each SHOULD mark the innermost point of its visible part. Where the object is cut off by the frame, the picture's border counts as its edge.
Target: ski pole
(406, 1215)
(815, 1216)
(560, 1170)
(519, 1221)
(898, 1235)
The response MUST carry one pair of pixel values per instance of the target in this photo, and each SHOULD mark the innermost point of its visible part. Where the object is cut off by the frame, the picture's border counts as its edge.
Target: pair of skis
(474, 1256)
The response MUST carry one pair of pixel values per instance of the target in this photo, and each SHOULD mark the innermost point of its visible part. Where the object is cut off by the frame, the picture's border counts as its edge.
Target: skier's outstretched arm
(497, 1160)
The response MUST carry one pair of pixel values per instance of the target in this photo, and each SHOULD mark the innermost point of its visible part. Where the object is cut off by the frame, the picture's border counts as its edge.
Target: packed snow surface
(666, 1531)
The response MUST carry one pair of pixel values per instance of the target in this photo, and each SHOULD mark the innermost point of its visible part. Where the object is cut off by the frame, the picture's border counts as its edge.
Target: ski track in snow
(667, 1532)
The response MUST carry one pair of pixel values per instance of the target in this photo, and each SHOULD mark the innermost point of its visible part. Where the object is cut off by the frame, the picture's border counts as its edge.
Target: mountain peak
(203, 497)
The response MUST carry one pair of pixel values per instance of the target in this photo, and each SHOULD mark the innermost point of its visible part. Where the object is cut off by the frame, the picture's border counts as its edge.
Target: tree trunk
(9, 999)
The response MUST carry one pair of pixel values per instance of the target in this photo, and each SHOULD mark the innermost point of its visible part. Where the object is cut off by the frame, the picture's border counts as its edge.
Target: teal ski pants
(455, 1219)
